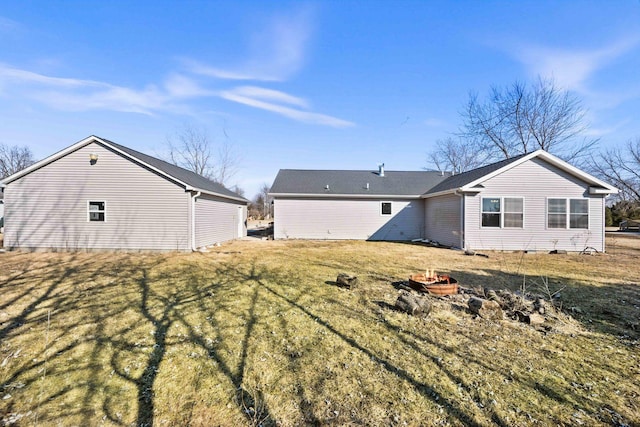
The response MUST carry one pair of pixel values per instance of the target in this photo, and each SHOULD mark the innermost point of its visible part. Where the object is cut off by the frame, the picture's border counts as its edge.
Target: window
(513, 212)
(578, 213)
(507, 212)
(97, 211)
(385, 208)
(557, 213)
(491, 212)
(577, 216)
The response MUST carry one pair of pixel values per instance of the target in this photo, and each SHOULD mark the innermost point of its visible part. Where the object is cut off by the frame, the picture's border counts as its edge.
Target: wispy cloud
(254, 97)
(82, 95)
(275, 52)
(572, 69)
(69, 94)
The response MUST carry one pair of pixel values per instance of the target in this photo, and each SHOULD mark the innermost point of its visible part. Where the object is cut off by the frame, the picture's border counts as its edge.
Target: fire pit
(434, 283)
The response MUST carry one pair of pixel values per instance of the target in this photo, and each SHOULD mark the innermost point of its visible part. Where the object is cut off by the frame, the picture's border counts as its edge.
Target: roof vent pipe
(367, 187)
(381, 169)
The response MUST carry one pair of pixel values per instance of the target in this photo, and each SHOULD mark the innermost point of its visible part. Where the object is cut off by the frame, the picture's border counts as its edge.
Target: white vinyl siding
(47, 208)
(357, 219)
(443, 220)
(535, 181)
(217, 220)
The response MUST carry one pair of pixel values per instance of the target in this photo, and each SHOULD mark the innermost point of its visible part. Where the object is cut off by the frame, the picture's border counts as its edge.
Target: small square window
(97, 211)
(386, 208)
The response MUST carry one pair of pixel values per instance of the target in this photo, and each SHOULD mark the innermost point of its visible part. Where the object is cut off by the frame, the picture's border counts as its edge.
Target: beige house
(532, 202)
(99, 195)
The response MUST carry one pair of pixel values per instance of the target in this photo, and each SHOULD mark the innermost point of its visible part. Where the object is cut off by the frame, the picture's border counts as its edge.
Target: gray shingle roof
(460, 180)
(354, 182)
(186, 176)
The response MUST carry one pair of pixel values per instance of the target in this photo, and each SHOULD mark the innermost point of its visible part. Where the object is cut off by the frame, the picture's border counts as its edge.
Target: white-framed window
(385, 208)
(96, 211)
(503, 212)
(568, 213)
(579, 213)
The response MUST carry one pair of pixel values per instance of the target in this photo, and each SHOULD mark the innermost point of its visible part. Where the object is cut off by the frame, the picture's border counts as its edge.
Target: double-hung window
(568, 213)
(503, 212)
(97, 211)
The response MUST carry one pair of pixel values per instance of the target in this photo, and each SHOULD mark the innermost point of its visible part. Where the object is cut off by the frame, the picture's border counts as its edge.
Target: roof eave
(347, 196)
(213, 193)
(452, 191)
(600, 190)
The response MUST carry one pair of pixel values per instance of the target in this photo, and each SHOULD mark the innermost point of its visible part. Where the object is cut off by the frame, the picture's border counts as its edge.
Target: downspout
(461, 195)
(193, 219)
(604, 223)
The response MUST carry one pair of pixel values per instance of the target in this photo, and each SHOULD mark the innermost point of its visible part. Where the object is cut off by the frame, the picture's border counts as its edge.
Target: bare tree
(192, 148)
(523, 118)
(621, 167)
(13, 159)
(238, 190)
(261, 204)
(456, 155)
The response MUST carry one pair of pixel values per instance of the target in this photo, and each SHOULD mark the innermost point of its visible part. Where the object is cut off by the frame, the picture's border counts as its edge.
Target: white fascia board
(459, 190)
(551, 159)
(213, 193)
(599, 190)
(344, 196)
(77, 146)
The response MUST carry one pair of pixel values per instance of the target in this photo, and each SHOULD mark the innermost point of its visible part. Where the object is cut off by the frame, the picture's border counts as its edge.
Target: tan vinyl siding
(347, 219)
(47, 208)
(535, 181)
(442, 219)
(217, 220)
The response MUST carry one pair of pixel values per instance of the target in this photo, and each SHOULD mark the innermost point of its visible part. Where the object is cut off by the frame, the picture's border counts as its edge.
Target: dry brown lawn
(256, 333)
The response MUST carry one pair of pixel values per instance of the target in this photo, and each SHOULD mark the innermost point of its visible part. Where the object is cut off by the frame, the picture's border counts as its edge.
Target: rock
(346, 281)
(489, 310)
(413, 304)
(534, 319)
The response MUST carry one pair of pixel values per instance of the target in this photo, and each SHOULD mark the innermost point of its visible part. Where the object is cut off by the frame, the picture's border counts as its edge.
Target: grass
(256, 333)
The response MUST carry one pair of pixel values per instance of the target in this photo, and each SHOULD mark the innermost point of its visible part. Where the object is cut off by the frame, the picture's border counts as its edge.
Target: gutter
(193, 219)
(345, 196)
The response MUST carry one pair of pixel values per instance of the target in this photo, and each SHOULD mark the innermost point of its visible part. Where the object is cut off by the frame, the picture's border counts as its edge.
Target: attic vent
(381, 169)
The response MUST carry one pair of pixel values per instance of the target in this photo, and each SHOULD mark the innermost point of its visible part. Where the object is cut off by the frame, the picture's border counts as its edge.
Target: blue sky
(317, 85)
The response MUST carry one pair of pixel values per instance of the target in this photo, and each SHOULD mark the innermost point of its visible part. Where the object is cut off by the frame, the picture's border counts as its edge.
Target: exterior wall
(442, 221)
(217, 220)
(536, 181)
(47, 209)
(358, 219)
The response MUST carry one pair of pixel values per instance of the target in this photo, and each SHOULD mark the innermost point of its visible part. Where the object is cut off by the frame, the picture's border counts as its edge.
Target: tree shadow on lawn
(107, 324)
(90, 316)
